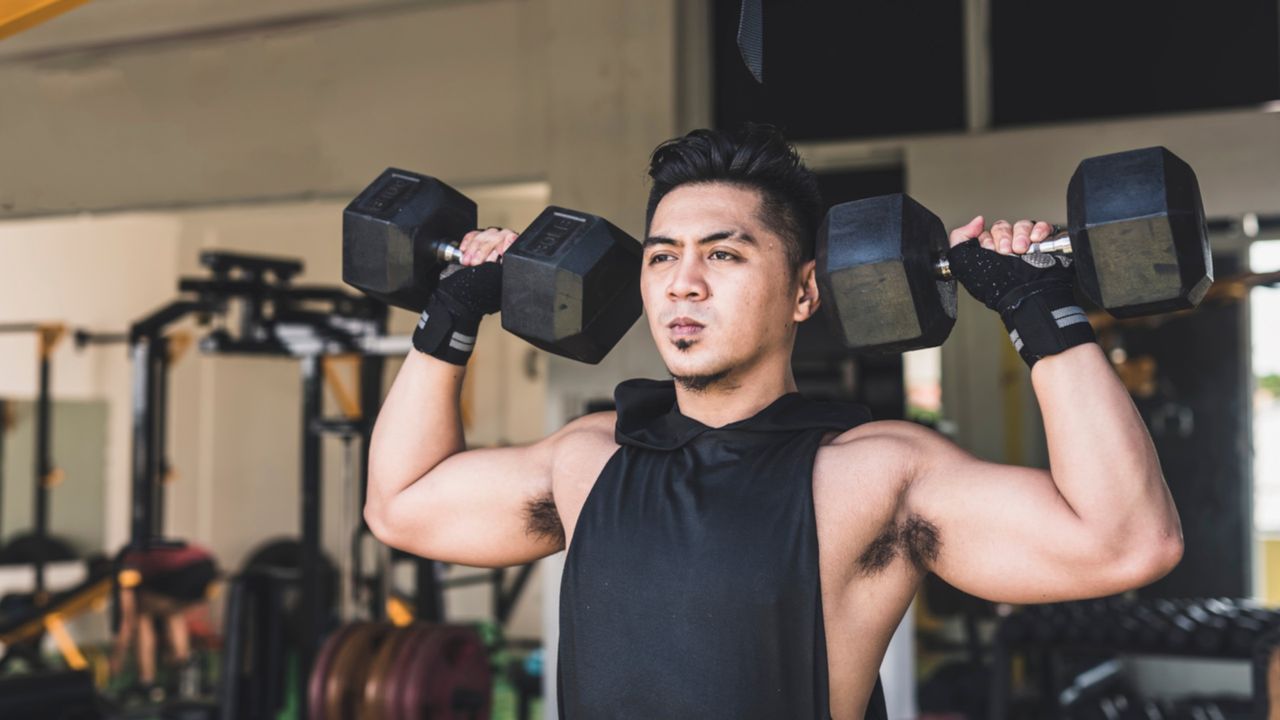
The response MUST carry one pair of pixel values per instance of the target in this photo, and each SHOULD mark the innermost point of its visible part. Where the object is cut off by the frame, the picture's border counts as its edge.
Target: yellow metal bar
(179, 342)
(50, 335)
(1271, 570)
(19, 15)
(54, 478)
(69, 607)
(399, 612)
(1011, 396)
(348, 401)
(70, 652)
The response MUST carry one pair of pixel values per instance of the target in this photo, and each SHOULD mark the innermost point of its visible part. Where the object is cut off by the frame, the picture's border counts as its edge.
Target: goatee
(699, 383)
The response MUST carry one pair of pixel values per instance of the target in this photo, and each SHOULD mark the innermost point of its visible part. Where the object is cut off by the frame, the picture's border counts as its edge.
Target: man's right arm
(429, 496)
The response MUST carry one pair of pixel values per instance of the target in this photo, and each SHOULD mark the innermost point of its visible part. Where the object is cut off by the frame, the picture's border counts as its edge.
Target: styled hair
(755, 157)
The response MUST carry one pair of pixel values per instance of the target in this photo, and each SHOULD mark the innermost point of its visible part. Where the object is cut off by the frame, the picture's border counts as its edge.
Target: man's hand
(1034, 294)
(487, 245)
(1003, 237)
(448, 327)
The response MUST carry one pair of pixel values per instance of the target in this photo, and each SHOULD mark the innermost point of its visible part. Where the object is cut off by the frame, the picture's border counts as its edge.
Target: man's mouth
(684, 327)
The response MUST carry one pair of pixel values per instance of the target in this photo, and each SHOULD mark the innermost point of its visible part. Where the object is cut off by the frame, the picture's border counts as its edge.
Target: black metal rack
(48, 335)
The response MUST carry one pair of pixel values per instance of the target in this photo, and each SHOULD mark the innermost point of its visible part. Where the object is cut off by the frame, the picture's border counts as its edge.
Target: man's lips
(684, 327)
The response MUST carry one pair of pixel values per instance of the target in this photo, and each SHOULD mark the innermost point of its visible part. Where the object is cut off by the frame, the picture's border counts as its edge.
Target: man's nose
(687, 283)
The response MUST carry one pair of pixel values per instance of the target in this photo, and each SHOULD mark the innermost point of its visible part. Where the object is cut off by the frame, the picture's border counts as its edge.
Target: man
(159, 583)
(734, 550)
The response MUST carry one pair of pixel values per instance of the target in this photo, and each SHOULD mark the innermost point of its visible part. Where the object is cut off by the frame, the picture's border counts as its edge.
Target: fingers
(488, 245)
(1002, 236)
(1041, 231)
(1022, 235)
(966, 232)
(1008, 238)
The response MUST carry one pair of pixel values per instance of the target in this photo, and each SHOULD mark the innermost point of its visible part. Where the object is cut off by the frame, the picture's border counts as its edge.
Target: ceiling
(106, 25)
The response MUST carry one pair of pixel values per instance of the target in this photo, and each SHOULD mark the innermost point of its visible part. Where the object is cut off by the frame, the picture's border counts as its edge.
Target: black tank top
(691, 587)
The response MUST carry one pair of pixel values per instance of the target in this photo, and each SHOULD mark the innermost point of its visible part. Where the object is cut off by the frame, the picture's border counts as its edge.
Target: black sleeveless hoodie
(691, 588)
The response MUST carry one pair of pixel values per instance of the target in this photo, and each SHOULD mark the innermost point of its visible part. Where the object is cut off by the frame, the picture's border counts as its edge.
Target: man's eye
(722, 255)
(654, 258)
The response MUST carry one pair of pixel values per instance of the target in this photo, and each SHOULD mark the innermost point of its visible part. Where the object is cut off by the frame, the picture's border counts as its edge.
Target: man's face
(716, 284)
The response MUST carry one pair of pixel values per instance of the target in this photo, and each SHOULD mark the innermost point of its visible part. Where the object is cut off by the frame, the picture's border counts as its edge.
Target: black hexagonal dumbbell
(1136, 231)
(570, 282)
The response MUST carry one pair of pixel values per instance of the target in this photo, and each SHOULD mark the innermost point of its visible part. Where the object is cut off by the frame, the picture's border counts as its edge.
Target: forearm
(1100, 454)
(419, 425)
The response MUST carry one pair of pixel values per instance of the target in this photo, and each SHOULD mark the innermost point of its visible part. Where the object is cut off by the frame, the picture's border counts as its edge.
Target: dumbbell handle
(1057, 244)
(446, 252)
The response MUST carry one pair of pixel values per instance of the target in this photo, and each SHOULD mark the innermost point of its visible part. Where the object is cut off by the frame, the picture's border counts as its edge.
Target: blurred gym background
(137, 136)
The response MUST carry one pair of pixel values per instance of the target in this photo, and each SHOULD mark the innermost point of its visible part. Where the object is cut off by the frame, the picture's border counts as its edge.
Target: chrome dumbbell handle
(446, 252)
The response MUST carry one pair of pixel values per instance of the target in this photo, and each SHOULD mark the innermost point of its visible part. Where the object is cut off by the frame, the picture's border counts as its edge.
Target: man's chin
(697, 377)
(701, 382)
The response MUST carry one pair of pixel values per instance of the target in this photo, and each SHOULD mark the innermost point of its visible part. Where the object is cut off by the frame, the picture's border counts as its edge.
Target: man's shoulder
(893, 446)
(884, 432)
(580, 451)
(591, 425)
(588, 433)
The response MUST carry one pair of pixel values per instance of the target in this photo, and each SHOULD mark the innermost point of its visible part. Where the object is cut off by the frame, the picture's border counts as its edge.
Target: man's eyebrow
(713, 237)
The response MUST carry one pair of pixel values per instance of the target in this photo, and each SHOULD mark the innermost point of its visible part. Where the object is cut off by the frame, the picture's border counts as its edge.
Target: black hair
(755, 157)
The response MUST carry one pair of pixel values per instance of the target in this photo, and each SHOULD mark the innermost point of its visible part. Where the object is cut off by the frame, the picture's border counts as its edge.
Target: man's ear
(807, 299)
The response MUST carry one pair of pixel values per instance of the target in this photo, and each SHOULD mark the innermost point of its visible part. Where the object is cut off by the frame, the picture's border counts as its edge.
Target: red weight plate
(319, 671)
(404, 675)
(452, 678)
(381, 667)
(345, 686)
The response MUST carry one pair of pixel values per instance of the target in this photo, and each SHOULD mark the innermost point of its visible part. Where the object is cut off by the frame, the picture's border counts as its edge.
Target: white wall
(293, 112)
(88, 272)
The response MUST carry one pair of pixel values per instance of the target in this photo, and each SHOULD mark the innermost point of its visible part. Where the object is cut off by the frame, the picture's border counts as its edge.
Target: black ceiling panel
(838, 70)
(1057, 60)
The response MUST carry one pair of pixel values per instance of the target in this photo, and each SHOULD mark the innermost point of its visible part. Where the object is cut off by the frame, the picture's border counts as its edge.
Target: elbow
(376, 518)
(1165, 556)
(1147, 560)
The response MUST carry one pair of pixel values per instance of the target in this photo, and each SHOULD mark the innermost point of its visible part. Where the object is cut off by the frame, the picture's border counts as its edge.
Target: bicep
(1005, 533)
(477, 508)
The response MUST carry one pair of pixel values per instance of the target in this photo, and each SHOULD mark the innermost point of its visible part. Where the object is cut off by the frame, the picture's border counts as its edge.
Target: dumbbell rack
(1183, 629)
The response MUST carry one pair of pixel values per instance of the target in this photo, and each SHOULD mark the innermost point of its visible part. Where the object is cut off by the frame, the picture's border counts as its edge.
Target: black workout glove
(447, 328)
(1034, 294)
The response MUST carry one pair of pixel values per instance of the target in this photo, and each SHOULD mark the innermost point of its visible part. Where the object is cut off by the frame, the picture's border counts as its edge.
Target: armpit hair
(920, 538)
(542, 520)
(914, 539)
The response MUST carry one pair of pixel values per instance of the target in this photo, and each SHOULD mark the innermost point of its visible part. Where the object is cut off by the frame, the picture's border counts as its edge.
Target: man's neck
(736, 397)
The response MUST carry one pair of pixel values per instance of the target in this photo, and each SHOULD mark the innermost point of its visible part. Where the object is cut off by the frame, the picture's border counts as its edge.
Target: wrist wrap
(1034, 295)
(447, 328)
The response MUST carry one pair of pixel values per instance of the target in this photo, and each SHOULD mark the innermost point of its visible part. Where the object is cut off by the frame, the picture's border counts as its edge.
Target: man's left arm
(1100, 521)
